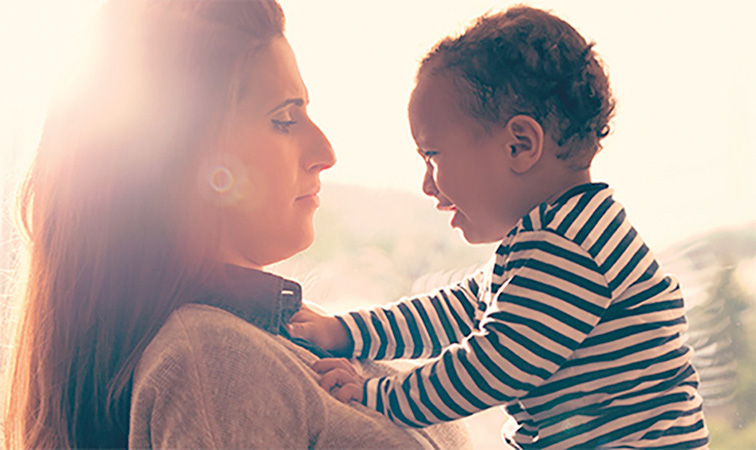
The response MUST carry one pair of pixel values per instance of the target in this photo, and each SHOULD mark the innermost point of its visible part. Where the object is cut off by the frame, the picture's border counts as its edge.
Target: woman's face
(273, 154)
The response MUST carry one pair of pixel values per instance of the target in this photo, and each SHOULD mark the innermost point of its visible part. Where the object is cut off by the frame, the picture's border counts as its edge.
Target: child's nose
(429, 184)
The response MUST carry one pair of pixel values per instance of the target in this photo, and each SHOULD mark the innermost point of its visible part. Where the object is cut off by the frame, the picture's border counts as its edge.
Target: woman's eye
(283, 126)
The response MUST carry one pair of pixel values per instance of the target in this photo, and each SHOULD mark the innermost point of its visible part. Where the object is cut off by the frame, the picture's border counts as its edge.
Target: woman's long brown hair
(111, 208)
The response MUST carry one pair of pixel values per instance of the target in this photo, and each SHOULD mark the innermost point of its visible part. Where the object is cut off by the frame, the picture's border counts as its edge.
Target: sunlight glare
(44, 43)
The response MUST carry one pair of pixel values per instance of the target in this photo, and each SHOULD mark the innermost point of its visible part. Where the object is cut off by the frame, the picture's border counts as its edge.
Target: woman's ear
(525, 143)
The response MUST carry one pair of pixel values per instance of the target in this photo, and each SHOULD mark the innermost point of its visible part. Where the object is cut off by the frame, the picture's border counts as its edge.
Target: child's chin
(475, 237)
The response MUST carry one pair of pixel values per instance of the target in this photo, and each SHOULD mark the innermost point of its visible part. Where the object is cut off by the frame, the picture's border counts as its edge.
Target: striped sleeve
(552, 296)
(415, 327)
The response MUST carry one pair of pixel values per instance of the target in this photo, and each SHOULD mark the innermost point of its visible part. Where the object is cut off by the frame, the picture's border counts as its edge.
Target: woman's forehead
(274, 78)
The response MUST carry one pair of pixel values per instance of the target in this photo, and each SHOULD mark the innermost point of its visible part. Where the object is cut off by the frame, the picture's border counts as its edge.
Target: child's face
(465, 170)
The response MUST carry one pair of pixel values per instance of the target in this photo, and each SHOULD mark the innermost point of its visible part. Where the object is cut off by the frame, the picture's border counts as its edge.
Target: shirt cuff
(370, 394)
(355, 344)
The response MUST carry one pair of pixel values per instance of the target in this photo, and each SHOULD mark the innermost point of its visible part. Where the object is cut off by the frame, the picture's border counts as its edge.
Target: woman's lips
(311, 199)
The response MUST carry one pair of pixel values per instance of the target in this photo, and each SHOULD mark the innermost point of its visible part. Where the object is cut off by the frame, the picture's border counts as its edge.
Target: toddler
(573, 327)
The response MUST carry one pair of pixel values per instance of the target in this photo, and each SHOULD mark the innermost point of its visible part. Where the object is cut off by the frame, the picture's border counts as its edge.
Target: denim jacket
(265, 300)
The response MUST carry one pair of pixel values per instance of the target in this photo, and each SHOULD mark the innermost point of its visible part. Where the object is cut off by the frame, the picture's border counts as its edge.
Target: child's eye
(283, 126)
(427, 155)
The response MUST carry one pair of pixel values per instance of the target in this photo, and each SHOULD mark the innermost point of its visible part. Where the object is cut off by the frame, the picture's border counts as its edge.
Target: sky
(681, 158)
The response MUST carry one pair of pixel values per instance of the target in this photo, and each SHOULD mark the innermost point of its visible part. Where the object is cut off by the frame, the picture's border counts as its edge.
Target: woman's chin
(296, 245)
(307, 240)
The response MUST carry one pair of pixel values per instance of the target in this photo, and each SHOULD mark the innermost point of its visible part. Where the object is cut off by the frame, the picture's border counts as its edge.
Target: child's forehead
(438, 99)
(435, 94)
(436, 112)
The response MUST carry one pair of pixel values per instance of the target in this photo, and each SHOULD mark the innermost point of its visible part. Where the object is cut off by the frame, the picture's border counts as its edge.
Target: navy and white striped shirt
(573, 328)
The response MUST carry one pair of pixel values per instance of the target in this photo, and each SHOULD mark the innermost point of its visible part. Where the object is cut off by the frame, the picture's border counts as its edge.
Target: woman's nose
(429, 184)
(322, 153)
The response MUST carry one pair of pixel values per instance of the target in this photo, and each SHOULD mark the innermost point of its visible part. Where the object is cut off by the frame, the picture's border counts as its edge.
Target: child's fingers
(336, 378)
(327, 364)
(308, 311)
(300, 330)
(339, 377)
(303, 324)
(303, 315)
(348, 392)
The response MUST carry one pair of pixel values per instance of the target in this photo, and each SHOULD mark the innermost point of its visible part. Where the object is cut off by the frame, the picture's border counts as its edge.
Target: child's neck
(568, 181)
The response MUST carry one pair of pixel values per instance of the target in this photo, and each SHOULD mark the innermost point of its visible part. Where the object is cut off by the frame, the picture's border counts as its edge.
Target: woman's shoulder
(216, 375)
(210, 335)
(193, 320)
(210, 377)
(212, 344)
(200, 318)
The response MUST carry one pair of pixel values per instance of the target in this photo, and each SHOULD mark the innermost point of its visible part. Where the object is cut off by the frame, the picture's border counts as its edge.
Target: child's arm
(540, 316)
(415, 327)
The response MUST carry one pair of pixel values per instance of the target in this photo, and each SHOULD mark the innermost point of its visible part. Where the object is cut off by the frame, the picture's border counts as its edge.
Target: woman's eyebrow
(288, 101)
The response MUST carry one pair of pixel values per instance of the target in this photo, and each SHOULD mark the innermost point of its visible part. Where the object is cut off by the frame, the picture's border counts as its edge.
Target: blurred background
(681, 157)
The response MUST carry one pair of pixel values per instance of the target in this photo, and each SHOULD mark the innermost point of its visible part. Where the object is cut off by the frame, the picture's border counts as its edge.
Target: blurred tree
(718, 279)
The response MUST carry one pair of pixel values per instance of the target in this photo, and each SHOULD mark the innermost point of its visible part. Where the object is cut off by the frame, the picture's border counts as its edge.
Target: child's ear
(525, 142)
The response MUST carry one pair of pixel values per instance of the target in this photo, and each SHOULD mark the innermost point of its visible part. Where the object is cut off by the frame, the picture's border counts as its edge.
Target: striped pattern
(573, 328)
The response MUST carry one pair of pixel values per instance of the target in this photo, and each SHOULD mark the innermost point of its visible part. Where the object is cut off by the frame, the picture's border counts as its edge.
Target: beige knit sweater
(211, 380)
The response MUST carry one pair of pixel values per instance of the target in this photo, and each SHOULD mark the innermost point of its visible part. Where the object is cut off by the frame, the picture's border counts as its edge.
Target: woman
(180, 165)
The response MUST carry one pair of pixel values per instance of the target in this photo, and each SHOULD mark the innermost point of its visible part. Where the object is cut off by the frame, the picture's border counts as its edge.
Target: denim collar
(262, 299)
(265, 300)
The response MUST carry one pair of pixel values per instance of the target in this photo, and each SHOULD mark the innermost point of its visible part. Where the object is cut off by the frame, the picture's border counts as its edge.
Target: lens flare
(221, 179)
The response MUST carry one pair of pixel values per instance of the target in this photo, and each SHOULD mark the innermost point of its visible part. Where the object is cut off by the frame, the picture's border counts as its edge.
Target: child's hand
(324, 331)
(340, 379)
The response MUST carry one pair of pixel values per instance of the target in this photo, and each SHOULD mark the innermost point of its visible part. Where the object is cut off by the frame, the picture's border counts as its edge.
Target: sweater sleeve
(415, 327)
(206, 388)
(551, 298)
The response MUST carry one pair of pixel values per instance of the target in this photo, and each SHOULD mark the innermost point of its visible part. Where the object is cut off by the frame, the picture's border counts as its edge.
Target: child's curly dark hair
(528, 61)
